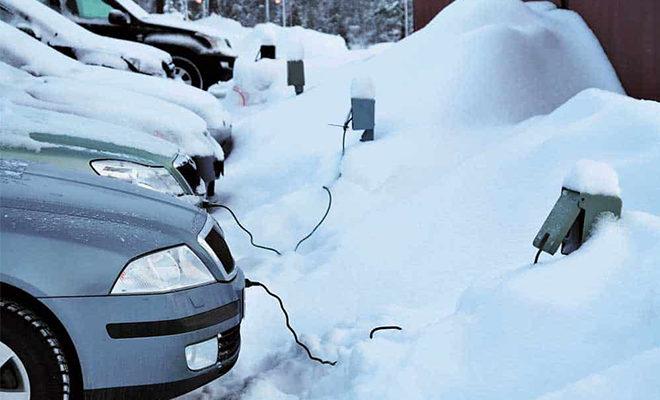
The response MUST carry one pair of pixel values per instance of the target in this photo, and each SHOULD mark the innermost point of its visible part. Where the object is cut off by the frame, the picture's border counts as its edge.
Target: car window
(89, 9)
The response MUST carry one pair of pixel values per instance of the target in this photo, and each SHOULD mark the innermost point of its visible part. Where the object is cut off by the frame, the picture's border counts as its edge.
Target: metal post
(283, 13)
(406, 30)
(267, 10)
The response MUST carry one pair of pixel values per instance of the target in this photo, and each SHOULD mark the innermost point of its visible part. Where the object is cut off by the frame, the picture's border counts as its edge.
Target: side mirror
(27, 29)
(116, 17)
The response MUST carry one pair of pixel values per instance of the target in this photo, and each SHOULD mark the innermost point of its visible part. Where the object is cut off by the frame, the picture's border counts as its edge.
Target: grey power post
(363, 107)
(572, 219)
(295, 68)
(296, 75)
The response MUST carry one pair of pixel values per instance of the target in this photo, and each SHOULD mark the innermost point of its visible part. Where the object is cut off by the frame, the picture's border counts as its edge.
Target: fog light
(202, 355)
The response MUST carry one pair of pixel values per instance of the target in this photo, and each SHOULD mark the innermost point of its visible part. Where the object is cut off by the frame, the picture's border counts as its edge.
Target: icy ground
(480, 117)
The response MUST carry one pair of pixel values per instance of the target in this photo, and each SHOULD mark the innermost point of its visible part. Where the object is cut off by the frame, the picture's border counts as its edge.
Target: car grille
(229, 344)
(220, 248)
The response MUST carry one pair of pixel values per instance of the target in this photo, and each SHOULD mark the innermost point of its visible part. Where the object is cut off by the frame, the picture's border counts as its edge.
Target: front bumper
(134, 346)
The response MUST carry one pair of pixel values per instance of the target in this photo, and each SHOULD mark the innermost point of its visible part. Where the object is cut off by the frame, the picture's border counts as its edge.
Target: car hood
(82, 230)
(191, 28)
(45, 188)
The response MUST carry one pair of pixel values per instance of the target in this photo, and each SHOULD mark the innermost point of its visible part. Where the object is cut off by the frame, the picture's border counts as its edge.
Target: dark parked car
(201, 56)
(110, 291)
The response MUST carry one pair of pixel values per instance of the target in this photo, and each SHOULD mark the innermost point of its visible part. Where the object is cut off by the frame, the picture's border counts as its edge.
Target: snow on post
(363, 88)
(588, 176)
(296, 51)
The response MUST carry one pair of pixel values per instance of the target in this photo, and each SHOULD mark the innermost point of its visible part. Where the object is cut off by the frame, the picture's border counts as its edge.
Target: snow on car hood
(17, 122)
(90, 48)
(21, 51)
(173, 22)
(148, 114)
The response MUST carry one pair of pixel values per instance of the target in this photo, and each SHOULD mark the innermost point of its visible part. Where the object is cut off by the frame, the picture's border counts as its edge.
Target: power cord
(209, 205)
(543, 241)
(249, 283)
(382, 328)
(327, 211)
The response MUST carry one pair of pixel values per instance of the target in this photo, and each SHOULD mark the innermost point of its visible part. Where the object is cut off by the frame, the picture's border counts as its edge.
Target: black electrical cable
(543, 241)
(249, 283)
(382, 328)
(215, 205)
(327, 211)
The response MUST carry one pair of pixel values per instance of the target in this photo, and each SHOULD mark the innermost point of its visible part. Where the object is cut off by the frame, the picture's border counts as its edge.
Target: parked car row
(115, 283)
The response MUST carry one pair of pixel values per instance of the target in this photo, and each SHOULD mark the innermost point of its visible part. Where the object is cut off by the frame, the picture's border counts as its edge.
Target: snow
(247, 41)
(90, 48)
(18, 122)
(139, 112)
(481, 115)
(363, 88)
(296, 52)
(593, 177)
(21, 51)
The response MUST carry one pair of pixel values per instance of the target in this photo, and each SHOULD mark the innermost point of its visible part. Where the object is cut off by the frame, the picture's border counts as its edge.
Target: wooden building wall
(629, 31)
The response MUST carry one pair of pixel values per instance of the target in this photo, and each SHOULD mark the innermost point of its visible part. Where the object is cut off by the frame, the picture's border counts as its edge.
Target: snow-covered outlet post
(267, 49)
(590, 191)
(295, 68)
(363, 107)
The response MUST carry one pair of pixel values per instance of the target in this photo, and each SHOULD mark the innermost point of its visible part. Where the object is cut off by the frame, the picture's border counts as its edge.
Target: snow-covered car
(202, 55)
(144, 113)
(95, 147)
(21, 51)
(60, 33)
(102, 297)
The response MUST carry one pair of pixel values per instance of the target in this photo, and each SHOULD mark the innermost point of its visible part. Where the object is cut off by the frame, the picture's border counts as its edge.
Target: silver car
(110, 291)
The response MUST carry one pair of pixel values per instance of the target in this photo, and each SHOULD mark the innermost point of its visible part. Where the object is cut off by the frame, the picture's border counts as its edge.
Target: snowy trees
(360, 22)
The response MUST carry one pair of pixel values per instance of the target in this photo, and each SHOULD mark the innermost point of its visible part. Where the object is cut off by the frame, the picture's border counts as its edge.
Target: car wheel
(187, 72)
(32, 362)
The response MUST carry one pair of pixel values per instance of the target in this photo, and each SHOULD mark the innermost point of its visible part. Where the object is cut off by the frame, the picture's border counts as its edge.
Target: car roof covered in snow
(89, 47)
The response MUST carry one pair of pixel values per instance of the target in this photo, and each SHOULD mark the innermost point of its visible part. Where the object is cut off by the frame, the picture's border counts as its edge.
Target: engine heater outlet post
(267, 51)
(363, 112)
(296, 75)
(572, 219)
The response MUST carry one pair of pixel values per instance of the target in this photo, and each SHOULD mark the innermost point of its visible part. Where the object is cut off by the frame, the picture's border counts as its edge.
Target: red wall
(629, 31)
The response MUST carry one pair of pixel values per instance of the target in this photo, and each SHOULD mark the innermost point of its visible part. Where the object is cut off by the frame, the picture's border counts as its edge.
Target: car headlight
(154, 178)
(164, 271)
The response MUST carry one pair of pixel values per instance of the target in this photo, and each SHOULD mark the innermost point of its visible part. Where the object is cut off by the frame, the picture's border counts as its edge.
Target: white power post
(283, 13)
(267, 10)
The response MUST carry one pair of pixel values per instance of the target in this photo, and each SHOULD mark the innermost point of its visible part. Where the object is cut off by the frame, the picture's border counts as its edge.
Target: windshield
(133, 8)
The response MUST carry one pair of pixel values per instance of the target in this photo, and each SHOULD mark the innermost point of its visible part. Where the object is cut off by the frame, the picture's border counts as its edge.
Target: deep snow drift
(480, 117)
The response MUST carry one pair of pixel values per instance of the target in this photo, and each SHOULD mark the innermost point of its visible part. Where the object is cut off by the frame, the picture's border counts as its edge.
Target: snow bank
(247, 41)
(593, 177)
(480, 116)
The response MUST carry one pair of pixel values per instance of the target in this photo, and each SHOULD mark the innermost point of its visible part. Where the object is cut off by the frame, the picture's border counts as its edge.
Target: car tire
(186, 71)
(35, 355)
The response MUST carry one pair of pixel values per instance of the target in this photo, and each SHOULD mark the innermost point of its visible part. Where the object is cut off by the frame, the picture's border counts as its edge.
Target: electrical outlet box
(267, 51)
(572, 219)
(364, 112)
(296, 74)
